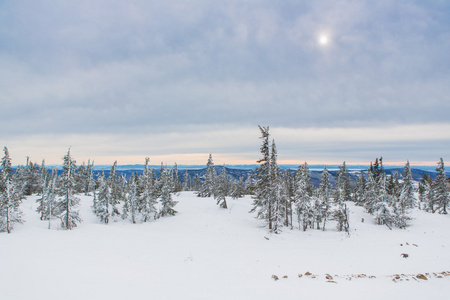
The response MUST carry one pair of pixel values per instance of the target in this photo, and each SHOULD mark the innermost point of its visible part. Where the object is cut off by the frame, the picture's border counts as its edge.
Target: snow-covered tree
(167, 203)
(341, 215)
(382, 208)
(439, 189)
(343, 186)
(286, 197)
(377, 168)
(302, 197)
(323, 198)
(407, 199)
(277, 206)
(177, 185)
(371, 193)
(68, 203)
(28, 178)
(130, 206)
(109, 195)
(48, 203)
(221, 190)
(186, 181)
(238, 188)
(262, 186)
(208, 187)
(425, 195)
(10, 198)
(43, 180)
(149, 192)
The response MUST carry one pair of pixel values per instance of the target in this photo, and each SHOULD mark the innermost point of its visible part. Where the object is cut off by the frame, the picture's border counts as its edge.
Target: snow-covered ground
(206, 252)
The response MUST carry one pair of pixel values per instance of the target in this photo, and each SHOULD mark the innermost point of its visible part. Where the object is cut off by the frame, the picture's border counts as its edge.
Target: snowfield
(206, 252)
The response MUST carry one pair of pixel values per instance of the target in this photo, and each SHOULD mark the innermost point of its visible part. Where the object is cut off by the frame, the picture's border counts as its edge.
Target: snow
(206, 252)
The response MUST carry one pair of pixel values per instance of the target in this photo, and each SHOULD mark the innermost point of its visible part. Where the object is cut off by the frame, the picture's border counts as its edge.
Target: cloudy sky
(176, 80)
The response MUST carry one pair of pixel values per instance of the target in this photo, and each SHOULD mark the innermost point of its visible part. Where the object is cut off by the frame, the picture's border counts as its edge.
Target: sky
(176, 80)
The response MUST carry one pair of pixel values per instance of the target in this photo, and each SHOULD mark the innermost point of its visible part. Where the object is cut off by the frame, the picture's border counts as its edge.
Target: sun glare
(323, 40)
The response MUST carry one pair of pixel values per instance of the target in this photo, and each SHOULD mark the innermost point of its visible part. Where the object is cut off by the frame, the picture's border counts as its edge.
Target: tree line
(280, 198)
(283, 198)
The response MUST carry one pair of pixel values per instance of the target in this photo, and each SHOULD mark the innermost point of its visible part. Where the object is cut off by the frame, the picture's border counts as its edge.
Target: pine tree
(149, 192)
(221, 191)
(382, 209)
(425, 192)
(43, 182)
(341, 216)
(277, 206)
(90, 186)
(208, 187)
(68, 202)
(377, 168)
(48, 204)
(178, 187)
(81, 178)
(262, 185)
(196, 184)
(302, 197)
(343, 186)
(28, 176)
(371, 193)
(238, 188)
(167, 203)
(10, 198)
(287, 196)
(407, 199)
(324, 197)
(100, 196)
(109, 196)
(439, 189)
(130, 207)
(186, 181)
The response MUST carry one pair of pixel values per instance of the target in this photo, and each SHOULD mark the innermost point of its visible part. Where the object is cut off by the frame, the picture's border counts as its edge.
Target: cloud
(113, 68)
(241, 145)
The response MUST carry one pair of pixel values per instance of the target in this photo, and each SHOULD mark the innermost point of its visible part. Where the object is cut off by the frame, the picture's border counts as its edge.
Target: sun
(323, 40)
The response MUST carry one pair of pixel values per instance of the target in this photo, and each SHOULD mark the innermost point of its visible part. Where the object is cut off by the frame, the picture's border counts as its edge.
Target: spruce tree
(277, 206)
(90, 181)
(238, 188)
(371, 193)
(149, 192)
(382, 208)
(186, 181)
(302, 197)
(130, 207)
(48, 206)
(343, 186)
(208, 187)
(68, 203)
(221, 191)
(167, 203)
(109, 196)
(324, 197)
(425, 192)
(287, 196)
(43, 180)
(407, 199)
(11, 196)
(262, 185)
(439, 189)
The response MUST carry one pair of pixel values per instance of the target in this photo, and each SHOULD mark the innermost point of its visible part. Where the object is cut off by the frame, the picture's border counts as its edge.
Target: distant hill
(235, 172)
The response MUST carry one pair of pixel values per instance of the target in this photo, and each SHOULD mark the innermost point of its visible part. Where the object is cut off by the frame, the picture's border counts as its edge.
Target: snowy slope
(209, 253)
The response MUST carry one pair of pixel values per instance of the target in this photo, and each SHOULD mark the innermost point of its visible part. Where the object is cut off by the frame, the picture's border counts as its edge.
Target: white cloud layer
(198, 76)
